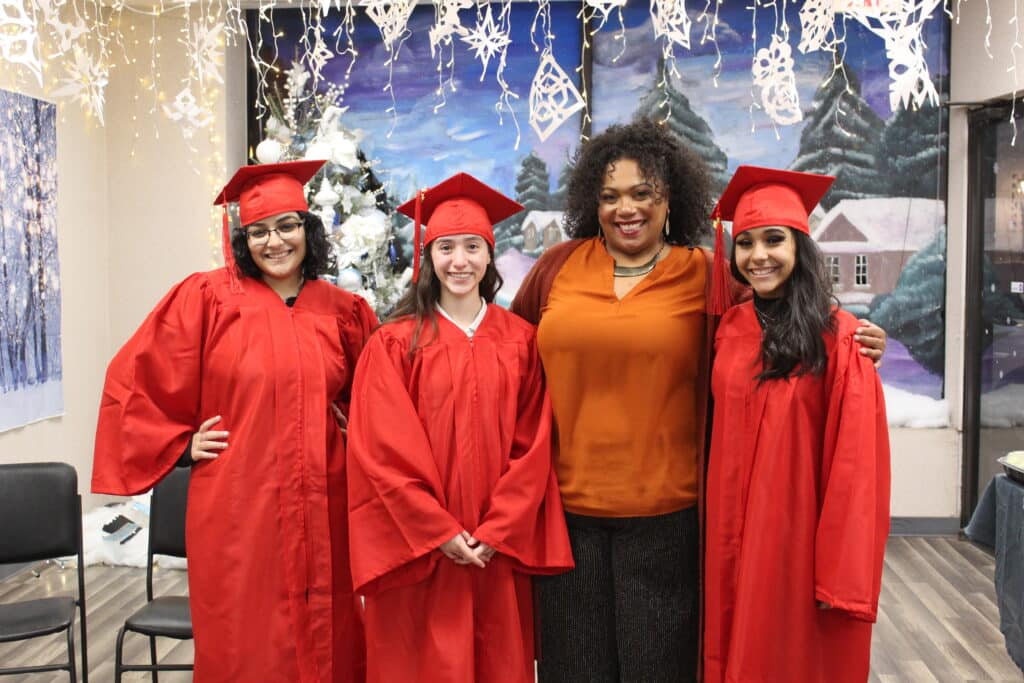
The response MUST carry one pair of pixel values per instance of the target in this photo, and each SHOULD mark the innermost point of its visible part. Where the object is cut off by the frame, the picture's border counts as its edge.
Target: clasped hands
(464, 549)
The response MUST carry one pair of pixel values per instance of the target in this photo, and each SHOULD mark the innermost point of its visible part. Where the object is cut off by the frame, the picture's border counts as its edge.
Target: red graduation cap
(757, 197)
(263, 190)
(460, 205)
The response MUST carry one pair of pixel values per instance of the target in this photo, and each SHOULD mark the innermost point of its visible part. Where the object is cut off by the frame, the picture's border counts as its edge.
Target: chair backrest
(40, 511)
(167, 514)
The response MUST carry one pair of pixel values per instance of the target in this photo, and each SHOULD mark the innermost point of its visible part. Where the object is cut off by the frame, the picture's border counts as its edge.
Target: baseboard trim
(924, 526)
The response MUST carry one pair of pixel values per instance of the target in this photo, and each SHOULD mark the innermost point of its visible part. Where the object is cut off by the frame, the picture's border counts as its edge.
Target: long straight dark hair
(791, 341)
(421, 299)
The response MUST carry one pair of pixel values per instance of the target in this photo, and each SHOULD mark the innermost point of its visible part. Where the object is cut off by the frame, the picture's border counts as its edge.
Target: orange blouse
(620, 374)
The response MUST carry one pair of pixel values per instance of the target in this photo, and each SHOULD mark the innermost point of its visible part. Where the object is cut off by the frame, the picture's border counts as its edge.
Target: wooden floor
(938, 620)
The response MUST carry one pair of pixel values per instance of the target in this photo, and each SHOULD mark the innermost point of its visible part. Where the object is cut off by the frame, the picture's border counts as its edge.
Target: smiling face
(460, 262)
(765, 257)
(277, 245)
(632, 211)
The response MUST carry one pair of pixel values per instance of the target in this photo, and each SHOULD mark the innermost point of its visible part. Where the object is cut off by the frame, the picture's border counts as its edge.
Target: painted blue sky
(745, 135)
(465, 135)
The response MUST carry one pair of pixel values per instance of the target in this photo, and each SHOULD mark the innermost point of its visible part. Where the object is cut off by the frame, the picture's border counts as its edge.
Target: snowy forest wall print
(30, 351)
(881, 227)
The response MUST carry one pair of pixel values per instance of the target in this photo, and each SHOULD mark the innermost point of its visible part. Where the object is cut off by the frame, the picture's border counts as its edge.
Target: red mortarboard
(460, 205)
(264, 190)
(268, 189)
(757, 197)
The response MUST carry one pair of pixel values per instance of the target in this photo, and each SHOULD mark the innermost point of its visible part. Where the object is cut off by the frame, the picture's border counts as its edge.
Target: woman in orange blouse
(624, 340)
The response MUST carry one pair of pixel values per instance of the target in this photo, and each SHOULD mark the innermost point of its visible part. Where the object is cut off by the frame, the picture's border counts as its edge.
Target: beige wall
(133, 218)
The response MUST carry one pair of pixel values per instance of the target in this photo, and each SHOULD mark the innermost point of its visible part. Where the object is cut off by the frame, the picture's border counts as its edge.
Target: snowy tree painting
(30, 350)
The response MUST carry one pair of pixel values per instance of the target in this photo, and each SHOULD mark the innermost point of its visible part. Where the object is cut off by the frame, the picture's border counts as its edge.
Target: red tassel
(721, 280)
(416, 245)
(229, 256)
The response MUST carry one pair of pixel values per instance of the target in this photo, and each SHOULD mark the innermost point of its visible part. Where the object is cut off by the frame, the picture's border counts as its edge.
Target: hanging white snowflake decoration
(672, 26)
(447, 23)
(319, 53)
(817, 25)
(186, 112)
(487, 39)
(391, 17)
(63, 35)
(900, 24)
(203, 47)
(773, 74)
(554, 98)
(86, 82)
(19, 37)
(604, 8)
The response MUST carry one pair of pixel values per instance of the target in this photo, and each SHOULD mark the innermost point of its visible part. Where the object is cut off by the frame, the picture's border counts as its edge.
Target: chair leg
(85, 648)
(152, 657)
(118, 652)
(71, 652)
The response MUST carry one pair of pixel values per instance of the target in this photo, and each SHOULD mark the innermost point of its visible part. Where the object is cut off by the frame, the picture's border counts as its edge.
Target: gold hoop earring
(667, 228)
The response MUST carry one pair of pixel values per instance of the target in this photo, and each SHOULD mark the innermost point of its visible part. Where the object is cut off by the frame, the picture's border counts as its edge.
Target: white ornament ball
(350, 279)
(269, 151)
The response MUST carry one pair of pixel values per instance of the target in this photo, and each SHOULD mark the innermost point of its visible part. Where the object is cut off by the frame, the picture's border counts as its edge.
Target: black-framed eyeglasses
(262, 235)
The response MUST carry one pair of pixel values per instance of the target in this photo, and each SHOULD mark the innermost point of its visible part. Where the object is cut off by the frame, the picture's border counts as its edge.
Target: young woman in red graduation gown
(453, 501)
(798, 480)
(236, 373)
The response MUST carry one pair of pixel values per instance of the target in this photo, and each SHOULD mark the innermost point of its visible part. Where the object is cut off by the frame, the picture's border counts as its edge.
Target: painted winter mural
(882, 226)
(30, 351)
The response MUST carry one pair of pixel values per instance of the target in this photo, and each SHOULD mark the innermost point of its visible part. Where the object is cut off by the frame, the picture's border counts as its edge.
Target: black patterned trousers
(629, 611)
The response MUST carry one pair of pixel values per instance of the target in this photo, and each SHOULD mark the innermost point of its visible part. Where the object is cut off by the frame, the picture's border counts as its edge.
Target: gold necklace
(637, 271)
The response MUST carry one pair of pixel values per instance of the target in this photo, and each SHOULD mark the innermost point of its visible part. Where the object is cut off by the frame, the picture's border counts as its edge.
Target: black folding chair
(166, 616)
(41, 518)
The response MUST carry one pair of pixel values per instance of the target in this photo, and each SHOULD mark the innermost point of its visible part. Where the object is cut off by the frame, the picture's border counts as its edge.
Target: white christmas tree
(305, 124)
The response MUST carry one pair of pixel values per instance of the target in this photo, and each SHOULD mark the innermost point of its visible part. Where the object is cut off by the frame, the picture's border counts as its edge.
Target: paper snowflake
(86, 82)
(203, 47)
(63, 34)
(19, 37)
(671, 21)
(603, 8)
(391, 17)
(187, 112)
(319, 54)
(900, 24)
(447, 22)
(817, 22)
(487, 39)
(553, 97)
(773, 73)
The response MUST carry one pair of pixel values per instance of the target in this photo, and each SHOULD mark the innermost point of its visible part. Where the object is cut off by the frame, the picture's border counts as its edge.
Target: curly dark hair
(664, 160)
(318, 250)
(421, 299)
(791, 342)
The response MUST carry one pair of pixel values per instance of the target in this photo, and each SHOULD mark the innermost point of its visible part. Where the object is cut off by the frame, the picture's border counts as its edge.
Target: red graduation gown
(798, 511)
(269, 581)
(458, 437)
